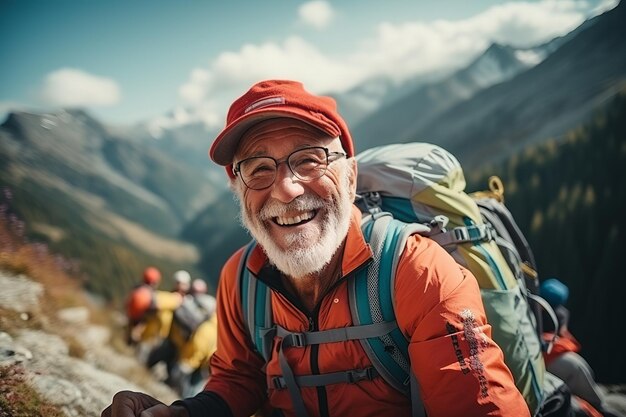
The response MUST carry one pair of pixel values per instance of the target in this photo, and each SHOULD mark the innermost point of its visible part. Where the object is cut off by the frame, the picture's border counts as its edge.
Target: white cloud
(398, 51)
(294, 58)
(603, 6)
(206, 91)
(317, 13)
(70, 87)
(404, 50)
(194, 90)
(9, 106)
(527, 23)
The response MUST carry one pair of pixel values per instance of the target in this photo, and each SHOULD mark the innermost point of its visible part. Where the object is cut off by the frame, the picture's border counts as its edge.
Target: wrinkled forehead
(280, 135)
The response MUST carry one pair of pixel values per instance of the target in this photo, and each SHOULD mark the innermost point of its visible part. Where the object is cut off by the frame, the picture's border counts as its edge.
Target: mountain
(188, 143)
(106, 201)
(399, 119)
(218, 233)
(74, 153)
(544, 101)
(372, 94)
(395, 120)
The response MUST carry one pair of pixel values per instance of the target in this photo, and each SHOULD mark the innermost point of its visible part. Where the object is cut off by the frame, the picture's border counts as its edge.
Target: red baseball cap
(278, 98)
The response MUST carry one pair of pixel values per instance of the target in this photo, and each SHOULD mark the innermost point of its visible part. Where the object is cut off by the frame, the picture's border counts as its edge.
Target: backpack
(419, 188)
(418, 183)
(193, 311)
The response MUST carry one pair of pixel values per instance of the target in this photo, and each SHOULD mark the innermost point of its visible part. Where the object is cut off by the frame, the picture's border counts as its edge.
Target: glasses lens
(309, 163)
(258, 173)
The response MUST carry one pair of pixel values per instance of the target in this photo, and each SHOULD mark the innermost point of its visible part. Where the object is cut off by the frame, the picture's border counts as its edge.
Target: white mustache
(274, 208)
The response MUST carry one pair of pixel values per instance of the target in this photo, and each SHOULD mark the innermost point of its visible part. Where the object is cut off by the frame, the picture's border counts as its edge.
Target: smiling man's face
(299, 224)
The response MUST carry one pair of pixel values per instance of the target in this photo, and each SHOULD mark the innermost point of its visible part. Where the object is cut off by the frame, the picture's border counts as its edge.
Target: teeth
(285, 221)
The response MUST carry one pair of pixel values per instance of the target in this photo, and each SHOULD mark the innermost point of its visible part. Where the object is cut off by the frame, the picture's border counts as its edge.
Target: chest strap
(302, 339)
(342, 334)
(341, 377)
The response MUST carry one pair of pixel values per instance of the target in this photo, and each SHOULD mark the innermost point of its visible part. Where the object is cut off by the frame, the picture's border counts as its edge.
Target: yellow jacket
(198, 349)
(158, 321)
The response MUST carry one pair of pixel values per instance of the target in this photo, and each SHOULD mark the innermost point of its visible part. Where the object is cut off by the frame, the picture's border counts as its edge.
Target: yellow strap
(529, 271)
(496, 190)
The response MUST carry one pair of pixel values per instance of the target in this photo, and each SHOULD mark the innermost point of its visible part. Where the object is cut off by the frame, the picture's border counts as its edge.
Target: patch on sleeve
(477, 341)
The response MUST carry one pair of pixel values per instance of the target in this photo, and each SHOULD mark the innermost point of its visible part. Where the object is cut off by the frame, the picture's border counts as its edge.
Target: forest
(569, 198)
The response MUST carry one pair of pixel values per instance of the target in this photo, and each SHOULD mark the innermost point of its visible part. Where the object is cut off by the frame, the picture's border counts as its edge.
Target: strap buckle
(298, 340)
(357, 375)
(278, 382)
(461, 234)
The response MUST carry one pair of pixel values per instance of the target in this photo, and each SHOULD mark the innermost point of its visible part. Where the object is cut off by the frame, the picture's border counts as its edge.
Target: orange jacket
(460, 370)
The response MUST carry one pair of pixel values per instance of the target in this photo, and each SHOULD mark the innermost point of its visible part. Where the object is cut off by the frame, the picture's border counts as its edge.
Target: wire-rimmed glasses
(307, 164)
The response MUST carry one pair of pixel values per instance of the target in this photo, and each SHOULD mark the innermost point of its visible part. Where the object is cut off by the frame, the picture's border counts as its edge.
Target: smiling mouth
(295, 220)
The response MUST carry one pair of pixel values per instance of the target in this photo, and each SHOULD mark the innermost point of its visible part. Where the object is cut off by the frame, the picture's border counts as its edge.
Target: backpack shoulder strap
(372, 300)
(256, 305)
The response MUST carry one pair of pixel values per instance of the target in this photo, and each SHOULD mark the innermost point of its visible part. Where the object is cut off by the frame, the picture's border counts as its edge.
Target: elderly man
(289, 155)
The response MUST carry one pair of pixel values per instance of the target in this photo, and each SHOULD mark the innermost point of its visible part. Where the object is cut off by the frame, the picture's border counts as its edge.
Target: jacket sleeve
(237, 378)
(460, 369)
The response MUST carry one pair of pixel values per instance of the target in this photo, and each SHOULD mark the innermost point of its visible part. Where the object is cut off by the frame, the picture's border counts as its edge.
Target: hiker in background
(139, 302)
(165, 351)
(290, 159)
(150, 313)
(199, 292)
(194, 339)
(564, 360)
(182, 282)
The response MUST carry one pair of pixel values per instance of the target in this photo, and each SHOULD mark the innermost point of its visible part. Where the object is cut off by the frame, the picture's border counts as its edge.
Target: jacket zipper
(322, 398)
(312, 317)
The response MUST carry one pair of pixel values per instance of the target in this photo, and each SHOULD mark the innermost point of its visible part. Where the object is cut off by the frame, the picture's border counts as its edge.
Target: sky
(172, 62)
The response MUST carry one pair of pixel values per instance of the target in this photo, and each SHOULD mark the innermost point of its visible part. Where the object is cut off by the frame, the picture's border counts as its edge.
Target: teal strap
(263, 318)
(245, 288)
(255, 305)
(371, 299)
(302, 339)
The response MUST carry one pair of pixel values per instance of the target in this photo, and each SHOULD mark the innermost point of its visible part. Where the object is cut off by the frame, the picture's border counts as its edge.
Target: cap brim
(225, 145)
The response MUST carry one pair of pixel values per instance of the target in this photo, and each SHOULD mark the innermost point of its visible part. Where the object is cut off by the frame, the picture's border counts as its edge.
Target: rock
(10, 353)
(57, 391)
(74, 315)
(19, 293)
(79, 387)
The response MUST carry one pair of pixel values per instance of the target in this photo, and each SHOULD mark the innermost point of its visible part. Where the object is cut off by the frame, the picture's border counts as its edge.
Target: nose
(286, 186)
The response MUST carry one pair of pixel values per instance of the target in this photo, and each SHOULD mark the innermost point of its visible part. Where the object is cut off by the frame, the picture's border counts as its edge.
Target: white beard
(303, 256)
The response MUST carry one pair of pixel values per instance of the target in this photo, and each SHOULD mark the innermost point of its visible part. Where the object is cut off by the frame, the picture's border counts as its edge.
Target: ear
(352, 175)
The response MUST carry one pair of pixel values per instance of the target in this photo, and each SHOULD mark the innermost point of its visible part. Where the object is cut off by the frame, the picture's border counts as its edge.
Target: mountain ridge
(537, 103)
(413, 110)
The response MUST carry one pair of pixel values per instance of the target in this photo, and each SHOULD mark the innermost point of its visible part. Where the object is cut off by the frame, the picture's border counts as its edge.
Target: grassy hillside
(108, 267)
(569, 197)
(218, 234)
(111, 204)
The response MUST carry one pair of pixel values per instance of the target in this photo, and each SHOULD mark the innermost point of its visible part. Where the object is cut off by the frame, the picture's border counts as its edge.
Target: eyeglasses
(307, 164)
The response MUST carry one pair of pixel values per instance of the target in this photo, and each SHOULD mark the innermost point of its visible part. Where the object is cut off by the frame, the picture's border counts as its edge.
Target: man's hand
(137, 404)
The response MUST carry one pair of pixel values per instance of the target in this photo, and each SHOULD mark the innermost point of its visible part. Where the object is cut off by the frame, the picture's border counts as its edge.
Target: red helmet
(151, 275)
